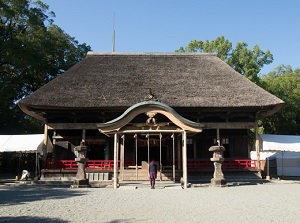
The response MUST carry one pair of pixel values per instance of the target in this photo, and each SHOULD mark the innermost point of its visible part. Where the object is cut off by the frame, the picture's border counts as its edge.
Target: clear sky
(165, 25)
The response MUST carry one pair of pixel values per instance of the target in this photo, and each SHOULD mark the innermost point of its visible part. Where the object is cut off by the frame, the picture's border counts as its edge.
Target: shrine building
(131, 108)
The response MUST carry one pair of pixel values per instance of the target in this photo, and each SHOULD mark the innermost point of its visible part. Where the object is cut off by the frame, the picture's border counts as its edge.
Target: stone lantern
(217, 158)
(81, 180)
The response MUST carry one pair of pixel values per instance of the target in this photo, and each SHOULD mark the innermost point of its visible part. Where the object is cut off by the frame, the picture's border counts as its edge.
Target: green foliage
(245, 61)
(220, 46)
(33, 52)
(252, 133)
(284, 82)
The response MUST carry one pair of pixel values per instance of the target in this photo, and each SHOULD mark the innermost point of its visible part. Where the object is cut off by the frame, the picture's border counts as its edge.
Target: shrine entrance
(153, 149)
(150, 138)
(136, 155)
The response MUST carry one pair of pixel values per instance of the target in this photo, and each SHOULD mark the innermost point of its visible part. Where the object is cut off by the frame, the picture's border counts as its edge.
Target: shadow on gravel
(122, 220)
(234, 183)
(247, 183)
(25, 194)
(25, 219)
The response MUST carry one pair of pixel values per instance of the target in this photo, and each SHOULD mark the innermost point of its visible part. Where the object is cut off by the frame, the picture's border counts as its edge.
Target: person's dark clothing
(153, 168)
(152, 174)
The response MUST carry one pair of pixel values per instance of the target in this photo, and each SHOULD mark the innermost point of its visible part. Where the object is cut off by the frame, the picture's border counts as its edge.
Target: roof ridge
(92, 53)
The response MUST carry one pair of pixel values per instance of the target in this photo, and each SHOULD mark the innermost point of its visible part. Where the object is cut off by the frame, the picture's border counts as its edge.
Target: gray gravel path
(272, 202)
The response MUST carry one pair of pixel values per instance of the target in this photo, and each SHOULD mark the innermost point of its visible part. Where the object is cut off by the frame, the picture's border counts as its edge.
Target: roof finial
(151, 96)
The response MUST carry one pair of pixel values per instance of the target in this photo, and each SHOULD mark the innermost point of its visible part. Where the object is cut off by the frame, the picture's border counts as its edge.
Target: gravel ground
(271, 202)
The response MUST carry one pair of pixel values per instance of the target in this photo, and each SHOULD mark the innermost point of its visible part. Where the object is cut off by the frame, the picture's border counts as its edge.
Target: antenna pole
(113, 35)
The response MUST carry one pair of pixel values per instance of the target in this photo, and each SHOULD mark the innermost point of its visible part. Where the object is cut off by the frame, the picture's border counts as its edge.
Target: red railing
(191, 164)
(226, 164)
(239, 164)
(100, 164)
(72, 164)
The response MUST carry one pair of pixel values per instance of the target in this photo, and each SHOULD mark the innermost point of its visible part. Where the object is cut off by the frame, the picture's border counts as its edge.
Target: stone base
(80, 183)
(25, 182)
(218, 182)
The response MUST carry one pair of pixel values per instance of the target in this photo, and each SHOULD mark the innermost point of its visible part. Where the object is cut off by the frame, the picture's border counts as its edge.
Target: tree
(245, 61)
(284, 82)
(33, 52)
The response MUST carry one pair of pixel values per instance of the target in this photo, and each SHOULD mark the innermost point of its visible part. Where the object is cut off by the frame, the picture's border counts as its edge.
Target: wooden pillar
(45, 147)
(218, 137)
(184, 160)
(45, 135)
(106, 151)
(122, 156)
(83, 139)
(178, 152)
(148, 145)
(116, 145)
(195, 148)
(118, 151)
(136, 158)
(54, 146)
(257, 147)
(83, 136)
(173, 154)
(160, 163)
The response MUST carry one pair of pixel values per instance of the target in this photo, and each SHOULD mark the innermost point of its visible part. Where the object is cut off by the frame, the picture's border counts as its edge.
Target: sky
(166, 25)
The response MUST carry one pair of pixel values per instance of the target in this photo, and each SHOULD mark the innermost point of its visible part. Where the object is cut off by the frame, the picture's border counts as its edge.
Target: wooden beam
(229, 125)
(90, 139)
(207, 125)
(263, 114)
(72, 126)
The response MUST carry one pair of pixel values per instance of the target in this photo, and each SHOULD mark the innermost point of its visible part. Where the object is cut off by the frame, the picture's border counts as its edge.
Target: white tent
(30, 143)
(22, 143)
(289, 143)
(285, 149)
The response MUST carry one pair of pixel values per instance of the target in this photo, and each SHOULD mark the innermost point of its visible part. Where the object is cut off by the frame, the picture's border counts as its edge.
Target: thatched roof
(111, 80)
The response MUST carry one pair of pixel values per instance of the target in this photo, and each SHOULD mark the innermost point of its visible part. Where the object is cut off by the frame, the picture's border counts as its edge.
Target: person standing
(152, 173)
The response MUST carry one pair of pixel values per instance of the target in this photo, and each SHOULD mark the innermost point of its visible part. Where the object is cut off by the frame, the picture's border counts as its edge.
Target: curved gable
(150, 107)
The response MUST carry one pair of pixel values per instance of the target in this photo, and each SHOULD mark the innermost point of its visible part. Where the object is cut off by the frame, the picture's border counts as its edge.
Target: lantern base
(80, 183)
(218, 182)
(217, 159)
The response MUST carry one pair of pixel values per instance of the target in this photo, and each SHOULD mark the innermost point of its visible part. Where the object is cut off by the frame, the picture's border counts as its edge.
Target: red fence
(72, 164)
(191, 164)
(227, 164)
(240, 164)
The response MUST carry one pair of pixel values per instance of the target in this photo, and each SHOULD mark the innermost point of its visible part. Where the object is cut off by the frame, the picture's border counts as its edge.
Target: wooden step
(143, 175)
